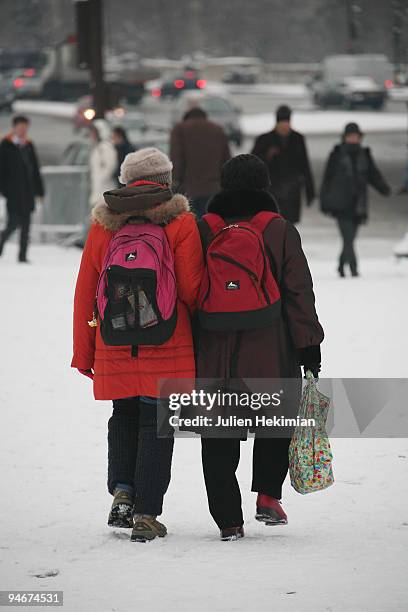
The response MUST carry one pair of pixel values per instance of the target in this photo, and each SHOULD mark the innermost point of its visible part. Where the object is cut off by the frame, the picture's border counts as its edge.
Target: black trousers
(15, 221)
(220, 457)
(136, 456)
(348, 229)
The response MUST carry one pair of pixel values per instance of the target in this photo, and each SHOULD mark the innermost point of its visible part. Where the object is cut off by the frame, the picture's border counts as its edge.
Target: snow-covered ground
(344, 549)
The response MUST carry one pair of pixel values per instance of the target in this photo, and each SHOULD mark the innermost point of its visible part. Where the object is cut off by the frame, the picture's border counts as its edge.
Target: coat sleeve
(259, 148)
(226, 152)
(177, 154)
(375, 178)
(298, 300)
(328, 175)
(307, 172)
(84, 301)
(188, 261)
(3, 169)
(38, 182)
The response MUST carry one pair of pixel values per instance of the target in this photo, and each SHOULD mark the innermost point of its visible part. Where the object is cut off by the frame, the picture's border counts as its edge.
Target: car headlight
(89, 114)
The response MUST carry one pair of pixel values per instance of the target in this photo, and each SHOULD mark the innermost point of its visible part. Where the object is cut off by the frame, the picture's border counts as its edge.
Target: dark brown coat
(198, 150)
(276, 351)
(289, 169)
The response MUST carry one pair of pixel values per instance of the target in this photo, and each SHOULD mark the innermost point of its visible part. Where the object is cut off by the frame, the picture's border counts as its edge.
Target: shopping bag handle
(310, 376)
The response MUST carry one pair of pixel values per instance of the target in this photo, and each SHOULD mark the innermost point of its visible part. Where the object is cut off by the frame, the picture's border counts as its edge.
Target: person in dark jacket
(284, 152)
(20, 183)
(274, 352)
(198, 150)
(123, 146)
(344, 194)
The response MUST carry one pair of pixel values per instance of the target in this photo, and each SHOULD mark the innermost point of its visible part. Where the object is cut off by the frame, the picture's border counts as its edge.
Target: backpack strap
(262, 219)
(214, 222)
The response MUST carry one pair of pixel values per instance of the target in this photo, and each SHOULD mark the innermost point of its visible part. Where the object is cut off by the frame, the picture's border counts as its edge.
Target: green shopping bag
(310, 456)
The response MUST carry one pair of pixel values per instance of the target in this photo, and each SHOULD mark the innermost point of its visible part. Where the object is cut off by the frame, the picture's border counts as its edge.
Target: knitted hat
(245, 172)
(352, 128)
(283, 113)
(148, 164)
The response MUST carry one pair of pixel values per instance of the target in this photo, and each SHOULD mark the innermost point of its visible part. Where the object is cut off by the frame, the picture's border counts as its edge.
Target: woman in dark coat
(344, 192)
(284, 152)
(273, 352)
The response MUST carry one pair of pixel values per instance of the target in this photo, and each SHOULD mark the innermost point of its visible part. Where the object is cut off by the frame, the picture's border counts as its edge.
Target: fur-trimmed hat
(146, 164)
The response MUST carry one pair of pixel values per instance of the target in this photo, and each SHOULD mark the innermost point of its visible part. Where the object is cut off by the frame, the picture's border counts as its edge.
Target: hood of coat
(241, 203)
(162, 214)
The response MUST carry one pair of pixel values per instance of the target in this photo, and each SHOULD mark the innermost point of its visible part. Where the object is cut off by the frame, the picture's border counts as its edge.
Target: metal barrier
(66, 204)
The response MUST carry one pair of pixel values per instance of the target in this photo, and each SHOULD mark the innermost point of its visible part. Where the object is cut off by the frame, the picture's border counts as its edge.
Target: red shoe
(269, 510)
(231, 533)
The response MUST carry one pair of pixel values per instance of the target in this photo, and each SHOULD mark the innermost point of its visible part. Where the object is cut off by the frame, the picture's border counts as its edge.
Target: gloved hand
(310, 359)
(315, 369)
(89, 373)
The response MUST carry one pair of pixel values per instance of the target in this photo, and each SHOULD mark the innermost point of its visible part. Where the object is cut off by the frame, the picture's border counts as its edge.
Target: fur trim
(160, 215)
(241, 203)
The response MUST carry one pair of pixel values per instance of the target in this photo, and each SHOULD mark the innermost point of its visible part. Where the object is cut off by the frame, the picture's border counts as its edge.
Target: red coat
(117, 373)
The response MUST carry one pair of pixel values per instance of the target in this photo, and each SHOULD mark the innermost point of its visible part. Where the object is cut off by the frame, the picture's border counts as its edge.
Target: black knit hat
(283, 113)
(352, 128)
(245, 172)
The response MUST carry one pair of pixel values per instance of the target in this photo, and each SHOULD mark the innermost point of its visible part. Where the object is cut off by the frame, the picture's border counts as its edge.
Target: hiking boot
(121, 513)
(269, 510)
(229, 534)
(147, 528)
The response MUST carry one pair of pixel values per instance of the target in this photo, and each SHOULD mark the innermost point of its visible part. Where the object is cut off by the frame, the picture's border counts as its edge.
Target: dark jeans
(15, 221)
(136, 456)
(220, 457)
(348, 229)
(199, 205)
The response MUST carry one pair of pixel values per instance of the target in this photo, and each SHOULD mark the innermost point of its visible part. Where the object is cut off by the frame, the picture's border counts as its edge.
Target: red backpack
(238, 290)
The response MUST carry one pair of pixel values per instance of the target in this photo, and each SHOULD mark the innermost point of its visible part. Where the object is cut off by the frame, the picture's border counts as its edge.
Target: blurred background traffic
(64, 64)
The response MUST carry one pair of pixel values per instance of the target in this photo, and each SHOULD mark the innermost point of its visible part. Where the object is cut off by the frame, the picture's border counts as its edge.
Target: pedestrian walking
(198, 150)
(143, 261)
(284, 152)
(344, 191)
(269, 342)
(102, 161)
(123, 146)
(20, 183)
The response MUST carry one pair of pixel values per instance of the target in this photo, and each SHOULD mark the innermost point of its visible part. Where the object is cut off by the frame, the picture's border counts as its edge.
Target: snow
(328, 122)
(63, 110)
(344, 549)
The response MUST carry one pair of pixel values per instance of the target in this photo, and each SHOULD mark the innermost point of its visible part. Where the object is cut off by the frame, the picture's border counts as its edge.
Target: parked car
(351, 92)
(240, 77)
(7, 93)
(174, 85)
(219, 109)
(352, 80)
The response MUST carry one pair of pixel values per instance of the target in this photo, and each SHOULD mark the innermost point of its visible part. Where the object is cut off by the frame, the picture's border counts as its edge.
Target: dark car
(240, 77)
(350, 93)
(172, 87)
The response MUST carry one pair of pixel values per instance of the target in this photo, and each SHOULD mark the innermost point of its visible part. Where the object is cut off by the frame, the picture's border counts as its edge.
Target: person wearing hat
(273, 352)
(344, 190)
(138, 461)
(284, 152)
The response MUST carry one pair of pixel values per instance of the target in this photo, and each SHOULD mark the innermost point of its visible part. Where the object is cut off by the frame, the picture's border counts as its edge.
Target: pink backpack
(137, 295)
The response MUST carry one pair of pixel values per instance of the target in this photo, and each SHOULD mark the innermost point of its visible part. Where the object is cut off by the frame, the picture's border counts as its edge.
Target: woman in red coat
(139, 462)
